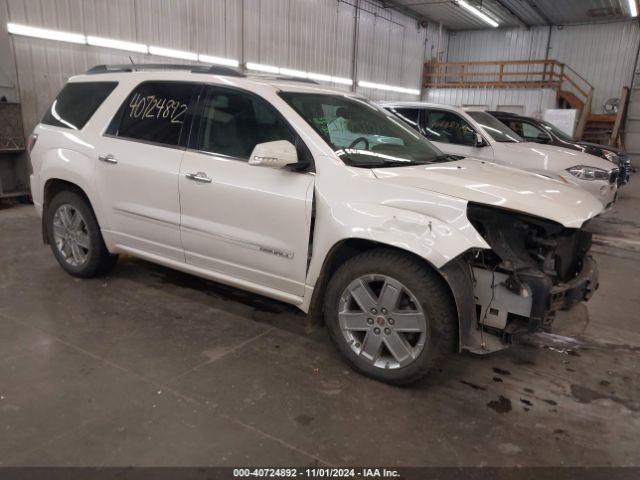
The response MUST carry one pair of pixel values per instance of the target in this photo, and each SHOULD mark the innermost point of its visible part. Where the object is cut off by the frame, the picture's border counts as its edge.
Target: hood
(490, 184)
(596, 147)
(559, 158)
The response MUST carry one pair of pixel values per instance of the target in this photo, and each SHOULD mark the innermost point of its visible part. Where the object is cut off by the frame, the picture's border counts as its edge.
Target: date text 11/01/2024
(315, 473)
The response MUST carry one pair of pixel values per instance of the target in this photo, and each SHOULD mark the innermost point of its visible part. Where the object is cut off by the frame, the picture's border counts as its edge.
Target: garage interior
(151, 367)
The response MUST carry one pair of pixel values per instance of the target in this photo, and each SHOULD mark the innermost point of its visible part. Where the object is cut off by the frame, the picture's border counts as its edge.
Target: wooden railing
(569, 85)
(507, 74)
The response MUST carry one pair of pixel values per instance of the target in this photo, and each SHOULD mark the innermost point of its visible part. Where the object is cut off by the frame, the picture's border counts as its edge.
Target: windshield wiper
(388, 163)
(447, 158)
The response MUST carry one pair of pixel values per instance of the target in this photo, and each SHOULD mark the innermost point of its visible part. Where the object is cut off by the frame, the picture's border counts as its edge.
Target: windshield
(494, 127)
(362, 134)
(556, 131)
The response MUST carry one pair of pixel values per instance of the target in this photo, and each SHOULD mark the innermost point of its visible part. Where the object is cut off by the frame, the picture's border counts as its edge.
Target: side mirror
(542, 139)
(276, 154)
(478, 141)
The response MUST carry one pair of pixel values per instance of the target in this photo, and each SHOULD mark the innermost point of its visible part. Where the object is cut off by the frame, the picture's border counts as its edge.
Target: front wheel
(390, 316)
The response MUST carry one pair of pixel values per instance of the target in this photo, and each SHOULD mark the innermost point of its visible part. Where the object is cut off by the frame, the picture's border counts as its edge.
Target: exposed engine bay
(535, 267)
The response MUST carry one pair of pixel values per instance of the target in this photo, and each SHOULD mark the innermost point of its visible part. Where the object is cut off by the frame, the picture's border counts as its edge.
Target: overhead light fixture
(320, 77)
(258, 67)
(229, 62)
(343, 81)
(293, 73)
(117, 44)
(46, 34)
(633, 8)
(389, 88)
(480, 14)
(78, 38)
(168, 52)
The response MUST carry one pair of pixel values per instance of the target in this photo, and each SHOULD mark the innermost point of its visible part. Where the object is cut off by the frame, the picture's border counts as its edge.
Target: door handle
(199, 177)
(107, 158)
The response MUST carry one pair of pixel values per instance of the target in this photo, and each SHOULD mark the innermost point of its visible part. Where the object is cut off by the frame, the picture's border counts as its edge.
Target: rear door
(138, 168)
(251, 223)
(453, 134)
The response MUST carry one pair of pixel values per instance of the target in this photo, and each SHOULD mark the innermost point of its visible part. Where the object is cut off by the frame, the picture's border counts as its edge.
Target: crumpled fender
(439, 240)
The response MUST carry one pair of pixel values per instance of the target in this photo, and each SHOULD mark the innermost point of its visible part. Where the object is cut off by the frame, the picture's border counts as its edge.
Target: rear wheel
(75, 237)
(390, 316)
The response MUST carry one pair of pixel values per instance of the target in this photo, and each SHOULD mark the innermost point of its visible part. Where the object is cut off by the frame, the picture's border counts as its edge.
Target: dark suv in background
(540, 131)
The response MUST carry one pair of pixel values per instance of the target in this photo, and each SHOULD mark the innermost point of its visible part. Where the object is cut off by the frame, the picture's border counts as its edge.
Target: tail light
(31, 142)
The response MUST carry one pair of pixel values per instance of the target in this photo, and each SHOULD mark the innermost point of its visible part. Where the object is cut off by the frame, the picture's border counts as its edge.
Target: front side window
(232, 123)
(360, 133)
(495, 128)
(76, 103)
(155, 112)
(448, 127)
(556, 131)
(533, 133)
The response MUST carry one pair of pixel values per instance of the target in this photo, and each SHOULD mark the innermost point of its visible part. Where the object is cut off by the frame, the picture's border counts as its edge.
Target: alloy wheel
(382, 321)
(71, 235)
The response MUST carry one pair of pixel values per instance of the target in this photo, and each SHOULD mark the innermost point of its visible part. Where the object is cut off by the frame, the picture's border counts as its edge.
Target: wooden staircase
(599, 128)
(568, 99)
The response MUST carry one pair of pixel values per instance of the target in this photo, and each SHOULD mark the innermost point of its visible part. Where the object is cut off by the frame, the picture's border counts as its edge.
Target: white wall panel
(602, 53)
(503, 44)
(534, 101)
(310, 35)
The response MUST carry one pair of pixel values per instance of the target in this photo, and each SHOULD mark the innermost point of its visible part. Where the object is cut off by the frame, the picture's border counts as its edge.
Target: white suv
(480, 135)
(313, 197)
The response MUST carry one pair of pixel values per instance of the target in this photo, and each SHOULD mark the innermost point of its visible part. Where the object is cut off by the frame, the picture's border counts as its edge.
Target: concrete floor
(153, 367)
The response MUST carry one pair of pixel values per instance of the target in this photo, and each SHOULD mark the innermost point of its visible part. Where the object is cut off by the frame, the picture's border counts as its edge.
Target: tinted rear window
(155, 112)
(76, 103)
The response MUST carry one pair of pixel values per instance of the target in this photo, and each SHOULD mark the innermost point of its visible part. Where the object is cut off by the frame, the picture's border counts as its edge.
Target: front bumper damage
(535, 268)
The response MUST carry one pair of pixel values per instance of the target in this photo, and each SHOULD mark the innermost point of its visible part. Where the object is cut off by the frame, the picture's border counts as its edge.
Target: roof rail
(283, 78)
(219, 70)
(136, 67)
(297, 79)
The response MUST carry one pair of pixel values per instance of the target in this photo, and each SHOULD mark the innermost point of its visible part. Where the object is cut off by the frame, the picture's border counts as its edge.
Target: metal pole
(354, 59)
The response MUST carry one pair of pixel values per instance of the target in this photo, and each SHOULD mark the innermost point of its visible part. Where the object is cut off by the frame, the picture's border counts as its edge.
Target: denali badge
(279, 253)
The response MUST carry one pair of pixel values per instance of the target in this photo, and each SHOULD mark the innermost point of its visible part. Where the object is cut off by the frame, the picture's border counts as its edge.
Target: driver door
(251, 223)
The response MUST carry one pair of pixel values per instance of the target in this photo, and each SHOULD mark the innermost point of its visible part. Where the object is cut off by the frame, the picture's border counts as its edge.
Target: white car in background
(313, 197)
(480, 135)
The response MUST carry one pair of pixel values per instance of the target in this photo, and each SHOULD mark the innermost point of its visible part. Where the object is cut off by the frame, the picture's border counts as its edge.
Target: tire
(410, 345)
(70, 221)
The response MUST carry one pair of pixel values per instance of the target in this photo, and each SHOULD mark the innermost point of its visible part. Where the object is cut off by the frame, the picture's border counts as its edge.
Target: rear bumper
(566, 295)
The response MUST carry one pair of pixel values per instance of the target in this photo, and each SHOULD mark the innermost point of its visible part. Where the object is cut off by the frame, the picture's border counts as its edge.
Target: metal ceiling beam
(518, 18)
(410, 12)
(536, 8)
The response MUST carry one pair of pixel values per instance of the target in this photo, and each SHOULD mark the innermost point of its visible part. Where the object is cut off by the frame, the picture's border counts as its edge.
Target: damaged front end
(535, 267)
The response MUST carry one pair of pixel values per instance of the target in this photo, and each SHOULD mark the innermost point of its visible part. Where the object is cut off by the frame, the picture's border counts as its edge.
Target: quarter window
(156, 112)
(447, 127)
(76, 103)
(232, 123)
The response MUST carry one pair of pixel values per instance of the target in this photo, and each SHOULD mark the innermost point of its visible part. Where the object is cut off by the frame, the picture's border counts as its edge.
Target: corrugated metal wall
(310, 35)
(534, 101)
(602, 53)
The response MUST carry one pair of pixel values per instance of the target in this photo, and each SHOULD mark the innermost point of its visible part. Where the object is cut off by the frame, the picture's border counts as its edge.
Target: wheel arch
(345, 249)
(52, 187)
